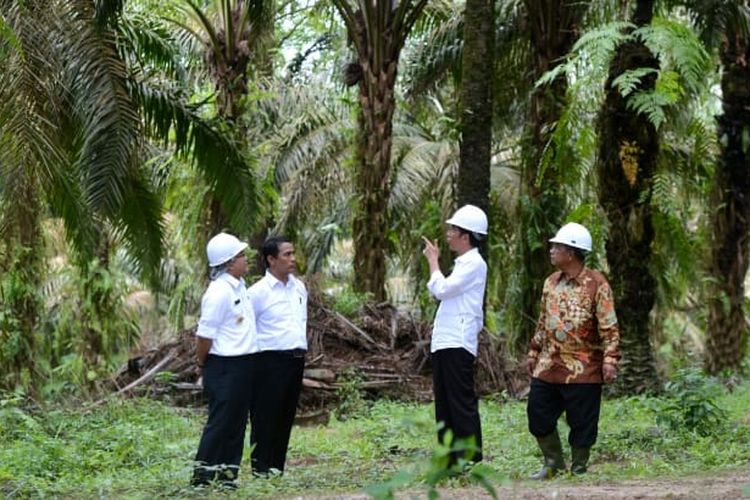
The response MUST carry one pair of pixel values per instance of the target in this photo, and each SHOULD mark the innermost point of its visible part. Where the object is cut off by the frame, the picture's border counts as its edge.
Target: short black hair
(475, 239)
(271, 247)
(579, 254)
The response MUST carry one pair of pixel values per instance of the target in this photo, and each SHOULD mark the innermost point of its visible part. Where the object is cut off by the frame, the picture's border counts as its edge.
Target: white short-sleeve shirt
(227, 317)
(460, 316)
(280, 313)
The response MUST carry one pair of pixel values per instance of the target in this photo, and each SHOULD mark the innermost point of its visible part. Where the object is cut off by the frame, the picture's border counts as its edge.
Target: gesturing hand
(431, 250)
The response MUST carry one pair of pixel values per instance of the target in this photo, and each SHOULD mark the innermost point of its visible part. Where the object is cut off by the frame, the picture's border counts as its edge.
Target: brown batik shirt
(577, 329)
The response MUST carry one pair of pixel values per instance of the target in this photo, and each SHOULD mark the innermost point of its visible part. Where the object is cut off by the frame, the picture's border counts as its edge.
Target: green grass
(143, 449)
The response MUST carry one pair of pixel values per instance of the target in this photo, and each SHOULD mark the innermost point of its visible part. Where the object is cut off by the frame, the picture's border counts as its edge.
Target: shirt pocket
(300, 305)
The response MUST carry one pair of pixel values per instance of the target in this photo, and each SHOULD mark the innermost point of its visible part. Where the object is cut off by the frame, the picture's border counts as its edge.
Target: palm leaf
(209, 146)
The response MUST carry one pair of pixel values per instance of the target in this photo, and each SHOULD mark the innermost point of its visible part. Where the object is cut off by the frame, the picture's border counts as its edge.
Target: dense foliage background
(131, 131)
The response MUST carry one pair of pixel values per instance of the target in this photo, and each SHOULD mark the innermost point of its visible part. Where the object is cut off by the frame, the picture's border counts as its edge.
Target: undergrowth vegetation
(143, 448)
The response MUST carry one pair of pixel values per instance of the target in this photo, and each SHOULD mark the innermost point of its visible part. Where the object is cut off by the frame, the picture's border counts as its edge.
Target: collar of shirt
(578, 279)
(466, 256)
(233, 282)
(273, 281)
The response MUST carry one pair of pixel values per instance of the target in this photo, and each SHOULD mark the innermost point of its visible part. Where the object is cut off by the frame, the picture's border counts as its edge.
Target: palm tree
(726, 25)
(83, 87)
(628, 150)
(69, 148)
(230, 42)
(378, 30)
(476, 103)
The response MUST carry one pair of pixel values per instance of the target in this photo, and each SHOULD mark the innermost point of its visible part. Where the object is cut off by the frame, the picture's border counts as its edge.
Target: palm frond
(109, 118)
(199, 18)
(593, 50)
(435, 54)
(677, 46)
(149, 45)
(208, 144)
(715, 18)
(108, 12)
(139, 222)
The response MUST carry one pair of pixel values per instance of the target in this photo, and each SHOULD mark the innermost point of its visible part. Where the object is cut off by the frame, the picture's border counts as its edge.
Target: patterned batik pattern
(577, 329)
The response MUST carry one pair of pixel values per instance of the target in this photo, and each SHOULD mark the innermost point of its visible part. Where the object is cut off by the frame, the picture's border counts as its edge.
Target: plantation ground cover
(142, 449)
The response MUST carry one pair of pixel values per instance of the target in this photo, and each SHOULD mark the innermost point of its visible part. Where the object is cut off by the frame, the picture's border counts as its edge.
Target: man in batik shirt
(574, 351)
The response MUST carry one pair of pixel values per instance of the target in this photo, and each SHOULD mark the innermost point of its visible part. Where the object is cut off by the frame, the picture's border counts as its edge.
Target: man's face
(284, 264)
(454, 238)
(238, 266)
(560, 255)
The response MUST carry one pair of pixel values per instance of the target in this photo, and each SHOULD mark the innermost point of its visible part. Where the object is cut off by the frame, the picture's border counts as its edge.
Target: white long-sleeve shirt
(280, 314)
(460, 315)
(227, 317)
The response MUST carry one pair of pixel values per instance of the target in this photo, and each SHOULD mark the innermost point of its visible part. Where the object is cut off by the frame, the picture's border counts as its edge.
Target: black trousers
(580, 402)
(277, 379)
(226, 384)
(456, 402)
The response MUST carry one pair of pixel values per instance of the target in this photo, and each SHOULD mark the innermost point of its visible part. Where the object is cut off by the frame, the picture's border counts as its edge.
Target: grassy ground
(143, 449)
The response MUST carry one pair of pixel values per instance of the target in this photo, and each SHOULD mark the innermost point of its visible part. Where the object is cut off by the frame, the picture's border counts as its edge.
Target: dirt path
(727, 485)
(724, 485)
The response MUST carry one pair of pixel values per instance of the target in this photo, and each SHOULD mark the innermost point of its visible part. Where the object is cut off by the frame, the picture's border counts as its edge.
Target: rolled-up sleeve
(213, 310)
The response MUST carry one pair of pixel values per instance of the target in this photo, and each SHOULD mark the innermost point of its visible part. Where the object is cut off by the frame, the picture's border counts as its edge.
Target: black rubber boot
(580, 459)
(554, 463)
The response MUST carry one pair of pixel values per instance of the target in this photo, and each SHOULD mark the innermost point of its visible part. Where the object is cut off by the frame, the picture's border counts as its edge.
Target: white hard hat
(573, 235)
(222, 248)
(470, 218)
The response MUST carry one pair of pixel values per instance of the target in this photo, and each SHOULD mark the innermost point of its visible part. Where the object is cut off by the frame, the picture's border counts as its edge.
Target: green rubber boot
(580, 458)
(554, 463)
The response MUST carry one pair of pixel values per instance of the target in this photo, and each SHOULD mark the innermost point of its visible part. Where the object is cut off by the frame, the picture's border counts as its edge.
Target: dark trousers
(277, 378)
(580, 402)
(226, 384)
(456, 402)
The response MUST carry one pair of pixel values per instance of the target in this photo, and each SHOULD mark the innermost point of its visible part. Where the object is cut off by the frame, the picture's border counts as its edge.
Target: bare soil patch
(709, 486)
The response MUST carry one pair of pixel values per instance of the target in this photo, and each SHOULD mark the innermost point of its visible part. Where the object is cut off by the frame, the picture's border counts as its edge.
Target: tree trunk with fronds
(628, 149)
(21, 295)
(370, 223)
(727, 326)
(553, 29)
(228, 52)
(477, 71)
(377, 30)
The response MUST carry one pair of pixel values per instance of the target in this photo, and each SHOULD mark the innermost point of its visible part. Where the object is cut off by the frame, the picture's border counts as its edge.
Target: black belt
(241, 356)
(294, 353)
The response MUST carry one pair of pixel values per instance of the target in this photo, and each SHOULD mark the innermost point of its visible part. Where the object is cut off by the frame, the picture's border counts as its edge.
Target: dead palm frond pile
(383, 352)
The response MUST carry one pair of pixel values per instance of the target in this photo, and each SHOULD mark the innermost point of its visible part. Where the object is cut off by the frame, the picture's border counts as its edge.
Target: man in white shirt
(458, 321)
(226, 331)
(280, 304)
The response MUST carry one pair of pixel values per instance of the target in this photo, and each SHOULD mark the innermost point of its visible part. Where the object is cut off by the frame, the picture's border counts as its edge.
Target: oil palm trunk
(727, 326)
(378, 30)
(477, 71)
(628, 151)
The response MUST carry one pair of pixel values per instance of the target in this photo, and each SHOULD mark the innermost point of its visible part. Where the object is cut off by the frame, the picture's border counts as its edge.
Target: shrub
(690, 404)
